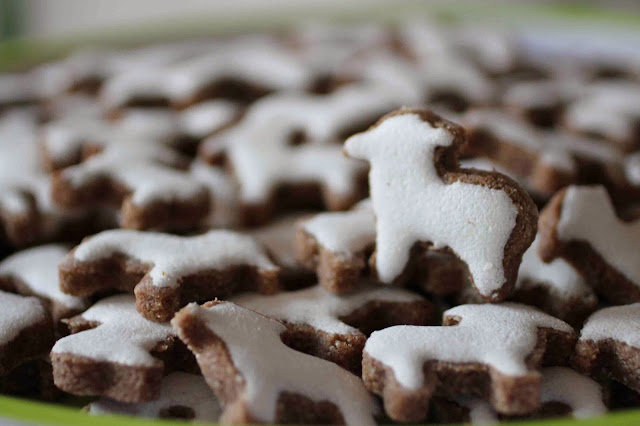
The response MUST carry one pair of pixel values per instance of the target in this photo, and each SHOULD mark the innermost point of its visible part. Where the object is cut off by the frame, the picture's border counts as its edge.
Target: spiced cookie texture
(259, 379)
(580, 225)
(34, 272)
(115, 352)
(556, 287)
(336, 327)
(563, 392)
(421, 197)
(182, 396)
(491, 351)
(137, 177)
(609, 345)
(284, 153)
(166, 271)
(26, 331)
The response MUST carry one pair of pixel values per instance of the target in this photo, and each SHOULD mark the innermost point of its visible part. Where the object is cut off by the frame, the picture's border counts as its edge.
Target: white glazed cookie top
(344, 232)
(176, 390)
(37, 269)
(587, 215)
(174, 257)
(412, 203)
(18, 313)
(269, 367)
(499, 335)
(123, 336)
(140, 166)
(582, 394)
(558, 276)
(620, 323)
(320, 309)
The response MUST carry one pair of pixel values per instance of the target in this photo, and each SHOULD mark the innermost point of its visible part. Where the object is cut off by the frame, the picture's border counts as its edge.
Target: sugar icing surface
(500, 335)
(412, 203)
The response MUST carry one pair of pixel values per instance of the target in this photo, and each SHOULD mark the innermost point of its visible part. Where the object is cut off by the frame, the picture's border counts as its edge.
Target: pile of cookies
(352, 224)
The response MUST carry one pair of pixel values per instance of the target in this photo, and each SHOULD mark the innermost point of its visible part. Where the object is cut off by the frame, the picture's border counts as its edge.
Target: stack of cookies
(357, 225)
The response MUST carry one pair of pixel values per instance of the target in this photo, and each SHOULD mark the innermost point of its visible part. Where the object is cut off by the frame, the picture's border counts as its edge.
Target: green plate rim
(22, 52)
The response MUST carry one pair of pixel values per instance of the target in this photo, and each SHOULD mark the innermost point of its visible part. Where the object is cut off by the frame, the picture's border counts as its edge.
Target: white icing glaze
(223, 192)
(18, 313)
(621, 323)
(582, 394)
(261, 156)
(138, 164)
(320, 309)
(177, 389)
(173, 257)
(269, 367)
(500, 335)
(559, 276)
(257, 61)
(344, 232)
(202, 119)
(37, 269)
(123, 336)
(412, 203)
(16, 88)
(559, 384)
(609, 109)
(587, 215)
(134, 85)
(278, 237)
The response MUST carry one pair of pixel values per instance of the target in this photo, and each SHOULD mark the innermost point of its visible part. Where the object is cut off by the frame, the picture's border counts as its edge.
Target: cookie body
(257, 378)
(609, 347)
(336, 327)
(490, 351)
(114, 352)
(166, 271)
(580, 225)
(182, 396)
(405, 182)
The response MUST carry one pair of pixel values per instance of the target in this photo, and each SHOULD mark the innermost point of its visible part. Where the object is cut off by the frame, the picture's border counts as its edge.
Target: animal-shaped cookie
(25, 330)
(563, 391)
(421, 197)
(115, 352)
(337, 246)
(135, 175)
(283, 153)
(167, 271)
(556, 287)
(492, 351)
(335, 327)
(609, 111)
(182, 396)
(580, 225)
(259, 379)
(609, 345)
(27, 214)
(34, 272)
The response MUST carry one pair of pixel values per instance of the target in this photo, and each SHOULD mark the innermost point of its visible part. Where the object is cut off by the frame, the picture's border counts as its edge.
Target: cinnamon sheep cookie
(115, 352)
(284, 153)
(609, 345)
(182, 396)
(259, 379)
(166, 271)
(138, 177)
(34, 272)
(422, 198)
(563, 392)
(490, 351)
(580, 225)
(335, 328)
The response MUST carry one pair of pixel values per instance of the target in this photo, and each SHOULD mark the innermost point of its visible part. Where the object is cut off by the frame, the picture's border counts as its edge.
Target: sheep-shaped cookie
(422, 198)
